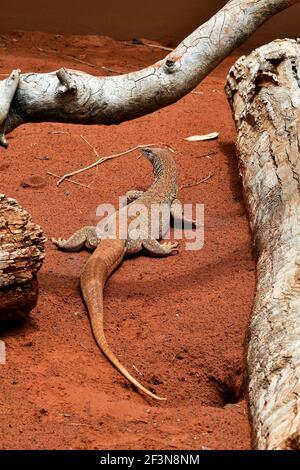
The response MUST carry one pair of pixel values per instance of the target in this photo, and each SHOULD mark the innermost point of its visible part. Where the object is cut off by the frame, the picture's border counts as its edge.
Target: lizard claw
(173, 247)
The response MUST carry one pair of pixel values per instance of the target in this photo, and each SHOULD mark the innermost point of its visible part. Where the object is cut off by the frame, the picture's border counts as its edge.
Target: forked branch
(76, 97)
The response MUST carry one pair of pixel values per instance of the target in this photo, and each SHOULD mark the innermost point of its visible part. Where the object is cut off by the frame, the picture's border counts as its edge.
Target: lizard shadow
(203, 274)
(195, 273)
(229, 150)
(199, 274)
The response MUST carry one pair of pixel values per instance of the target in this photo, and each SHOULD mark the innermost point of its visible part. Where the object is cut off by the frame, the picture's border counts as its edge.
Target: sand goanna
(109, 252)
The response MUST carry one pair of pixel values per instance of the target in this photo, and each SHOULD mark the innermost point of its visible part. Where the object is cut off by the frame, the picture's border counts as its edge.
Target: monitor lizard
(109, 252)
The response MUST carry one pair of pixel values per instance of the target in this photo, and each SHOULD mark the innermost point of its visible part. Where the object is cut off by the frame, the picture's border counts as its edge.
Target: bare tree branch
(75, 97)
(264, 92)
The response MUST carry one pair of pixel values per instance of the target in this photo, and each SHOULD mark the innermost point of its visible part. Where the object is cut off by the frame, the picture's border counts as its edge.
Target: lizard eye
(147, 152)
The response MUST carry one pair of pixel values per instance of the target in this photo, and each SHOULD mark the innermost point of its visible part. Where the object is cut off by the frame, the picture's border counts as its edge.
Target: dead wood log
(264, 92)
(21, 256)
(75, 97)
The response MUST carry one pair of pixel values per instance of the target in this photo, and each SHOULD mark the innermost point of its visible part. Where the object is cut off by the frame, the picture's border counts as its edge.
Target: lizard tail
(93, 277)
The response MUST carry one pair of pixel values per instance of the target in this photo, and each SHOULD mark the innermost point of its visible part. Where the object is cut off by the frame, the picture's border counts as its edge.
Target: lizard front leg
(133, 195)
(159, 249)
(85, 236)
(177, 214)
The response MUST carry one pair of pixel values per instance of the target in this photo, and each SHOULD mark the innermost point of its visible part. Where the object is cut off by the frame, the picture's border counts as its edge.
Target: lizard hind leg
(85, 236)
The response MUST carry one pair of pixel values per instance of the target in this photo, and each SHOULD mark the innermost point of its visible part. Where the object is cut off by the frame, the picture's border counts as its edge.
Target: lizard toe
(174, 247)
(58, 241)
(171, 247)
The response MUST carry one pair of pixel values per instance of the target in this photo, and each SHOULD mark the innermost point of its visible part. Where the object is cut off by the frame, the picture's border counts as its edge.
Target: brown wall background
(163, 20)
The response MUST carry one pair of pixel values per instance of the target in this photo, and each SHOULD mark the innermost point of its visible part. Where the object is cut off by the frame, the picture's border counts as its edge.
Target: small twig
(56, 132)
(163, 48)
(137, 369)
(112, 70)
(90, 145)
(94, 152)
(141, 43)
(45, 51)
(70, 181)
(203, 180)
(79, 424)
(80, 61)
(208, 154)
(65, 415)
(101, 160)
(197, 92)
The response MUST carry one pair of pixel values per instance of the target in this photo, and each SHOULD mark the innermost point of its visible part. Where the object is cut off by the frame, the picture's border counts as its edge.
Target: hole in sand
(230, 389)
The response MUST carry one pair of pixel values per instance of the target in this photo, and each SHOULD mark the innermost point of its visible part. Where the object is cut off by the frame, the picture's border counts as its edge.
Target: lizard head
(151, 153)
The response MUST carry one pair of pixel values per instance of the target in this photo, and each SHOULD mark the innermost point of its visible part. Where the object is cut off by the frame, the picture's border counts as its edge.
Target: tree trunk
(21, 256)
(76, 97)
(264, 92)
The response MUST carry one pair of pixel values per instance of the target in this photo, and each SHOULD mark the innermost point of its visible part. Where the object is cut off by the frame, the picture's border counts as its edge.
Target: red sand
(180, 321)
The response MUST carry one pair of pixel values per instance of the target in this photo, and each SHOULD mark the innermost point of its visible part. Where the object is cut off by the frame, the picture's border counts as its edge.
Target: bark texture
(76, 97)
(264, 92)
(21, 256)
